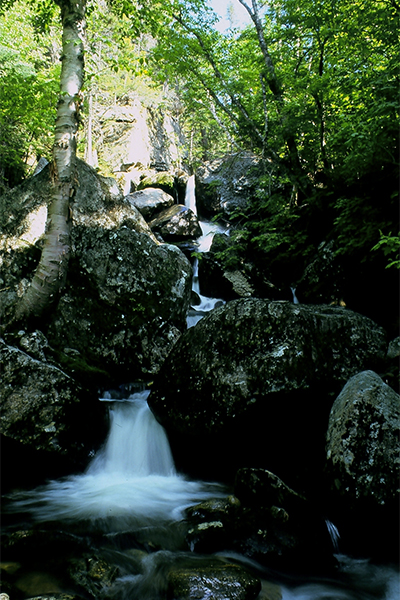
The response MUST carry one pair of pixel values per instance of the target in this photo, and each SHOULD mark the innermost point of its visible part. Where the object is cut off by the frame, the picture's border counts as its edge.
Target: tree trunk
(51, 272)
(274, 85)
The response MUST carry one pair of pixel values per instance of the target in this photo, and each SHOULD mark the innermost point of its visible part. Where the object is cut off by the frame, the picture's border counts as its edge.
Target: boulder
(164, 180)
(45, 411)
(150, 201)
(126, 296)
(226, 184)
(258, 378)
(176, 223)
(363, 460)
(363, 447)
(213, 579)
(125, 302)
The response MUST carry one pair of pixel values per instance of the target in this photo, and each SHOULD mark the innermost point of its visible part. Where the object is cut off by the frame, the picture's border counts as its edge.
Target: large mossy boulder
(363, 459)
(253, 382)
(126, 296)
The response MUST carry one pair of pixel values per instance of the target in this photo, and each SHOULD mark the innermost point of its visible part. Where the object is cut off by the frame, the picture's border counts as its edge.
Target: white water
(208, 229)
(190, 198)
(132, 478)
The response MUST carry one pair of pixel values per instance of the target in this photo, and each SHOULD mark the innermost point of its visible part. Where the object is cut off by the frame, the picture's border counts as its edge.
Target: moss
(85, 373)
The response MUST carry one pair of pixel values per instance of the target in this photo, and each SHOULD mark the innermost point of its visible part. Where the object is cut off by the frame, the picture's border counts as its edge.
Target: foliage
(28, 94)
(390, 245)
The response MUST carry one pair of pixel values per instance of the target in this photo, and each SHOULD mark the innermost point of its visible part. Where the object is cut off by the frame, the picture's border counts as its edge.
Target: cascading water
(132, 480)
(204, 243)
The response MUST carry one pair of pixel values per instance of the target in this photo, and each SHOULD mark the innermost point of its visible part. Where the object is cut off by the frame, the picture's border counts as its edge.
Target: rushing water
(132, 479)
(132, 486)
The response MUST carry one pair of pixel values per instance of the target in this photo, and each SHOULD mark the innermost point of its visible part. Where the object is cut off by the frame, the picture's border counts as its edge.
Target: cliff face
(130, 139)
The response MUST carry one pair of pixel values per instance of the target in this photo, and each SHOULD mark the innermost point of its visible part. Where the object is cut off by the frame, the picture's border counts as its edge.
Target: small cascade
(334, 535)
(295, 300)
(208, 229)
(132, 480)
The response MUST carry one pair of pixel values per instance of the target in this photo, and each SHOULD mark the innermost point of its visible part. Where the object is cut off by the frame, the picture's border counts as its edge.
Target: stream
(130, 505)
(127, 512)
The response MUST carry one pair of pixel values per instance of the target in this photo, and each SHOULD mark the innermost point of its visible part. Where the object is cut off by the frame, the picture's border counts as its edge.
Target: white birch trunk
(52, 269)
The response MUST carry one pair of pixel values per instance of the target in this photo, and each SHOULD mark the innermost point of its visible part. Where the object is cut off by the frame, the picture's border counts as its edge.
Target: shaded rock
(213, 580)
(125, 302)
(150, 201)
(363, 446)
(258, 377)
(394, 348)
(277, 526)
(126, 297)
(176, 223)
(46, 411)
(258, 487)
(212, 524)
(363, 466)
(226, 184)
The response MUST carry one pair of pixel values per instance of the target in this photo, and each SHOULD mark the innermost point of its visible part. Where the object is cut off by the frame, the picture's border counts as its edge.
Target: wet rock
(176, 223)
(214, 580)
(211, 524)
(258, 377)
(150, 201)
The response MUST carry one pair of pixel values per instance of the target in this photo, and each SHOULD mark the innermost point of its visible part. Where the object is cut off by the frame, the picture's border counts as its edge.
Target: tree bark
(51, 272)
(274, 85)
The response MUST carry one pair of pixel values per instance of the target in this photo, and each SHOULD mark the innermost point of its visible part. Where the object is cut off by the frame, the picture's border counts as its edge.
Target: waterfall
(208, 229)
(334, 534)
(131, 481)
(190, 195)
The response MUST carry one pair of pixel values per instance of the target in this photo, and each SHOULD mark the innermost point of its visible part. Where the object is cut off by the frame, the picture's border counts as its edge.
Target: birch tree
(51, 271)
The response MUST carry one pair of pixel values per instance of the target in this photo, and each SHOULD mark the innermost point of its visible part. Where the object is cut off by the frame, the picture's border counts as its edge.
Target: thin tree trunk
(51, 272)
(276, 89)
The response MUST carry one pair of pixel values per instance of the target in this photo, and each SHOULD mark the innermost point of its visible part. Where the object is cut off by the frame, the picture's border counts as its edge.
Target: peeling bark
(51, 272)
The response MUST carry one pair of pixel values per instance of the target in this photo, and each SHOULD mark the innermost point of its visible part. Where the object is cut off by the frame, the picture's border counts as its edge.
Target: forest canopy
(311, 86)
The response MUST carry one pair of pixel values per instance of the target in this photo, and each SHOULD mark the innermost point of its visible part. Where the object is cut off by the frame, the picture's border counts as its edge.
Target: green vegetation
(309, 86)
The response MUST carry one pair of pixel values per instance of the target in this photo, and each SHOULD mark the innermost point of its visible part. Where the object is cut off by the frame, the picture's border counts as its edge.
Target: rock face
(259, 376)
(44, 409)
(227, 183)
(363, 446)
(134, 135)
(126, 296)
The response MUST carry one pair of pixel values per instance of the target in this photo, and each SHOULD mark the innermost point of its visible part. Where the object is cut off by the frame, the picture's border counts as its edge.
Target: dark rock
(213, 580)
(47, 412)
(176, 223)
(363, 446)
(125, 302)
(363, 465)
(258, 377)
(227, 183)
(126, 296)
(150, 201)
